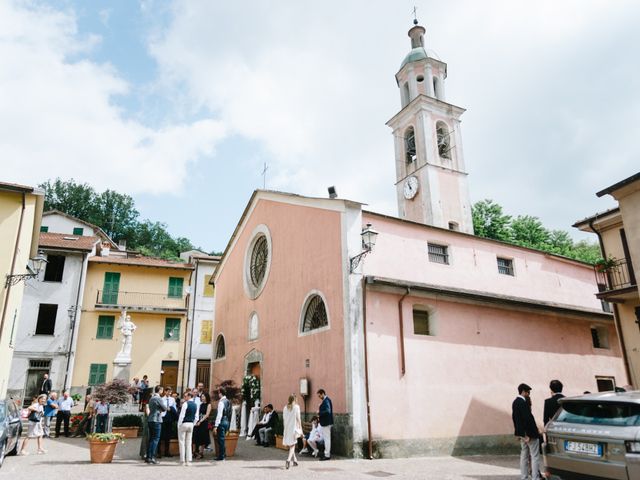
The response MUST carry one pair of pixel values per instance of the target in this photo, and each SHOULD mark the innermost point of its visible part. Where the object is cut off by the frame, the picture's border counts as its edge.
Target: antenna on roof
(264, 176)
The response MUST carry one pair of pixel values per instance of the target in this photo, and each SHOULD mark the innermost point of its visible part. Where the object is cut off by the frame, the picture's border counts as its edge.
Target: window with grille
(105, 326)
(259, 259)
(438, 253)
(206, 332)
(505, 266)
(39, 364)
(220, 347)
(46, 324)
(421, 322)
(175, 287)
(97, 373)
(315, 314)
(172, 329)
(55, 268)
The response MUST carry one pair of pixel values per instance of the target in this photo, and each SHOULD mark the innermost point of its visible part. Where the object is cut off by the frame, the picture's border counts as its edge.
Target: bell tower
(431, 180)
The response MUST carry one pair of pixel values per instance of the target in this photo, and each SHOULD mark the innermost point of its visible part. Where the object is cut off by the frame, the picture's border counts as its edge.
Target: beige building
(20, 216)
(154, 293)
(618, 232)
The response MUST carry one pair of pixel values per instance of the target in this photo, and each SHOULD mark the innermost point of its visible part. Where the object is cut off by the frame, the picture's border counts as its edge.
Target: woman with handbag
(292, 429)
(36, 410)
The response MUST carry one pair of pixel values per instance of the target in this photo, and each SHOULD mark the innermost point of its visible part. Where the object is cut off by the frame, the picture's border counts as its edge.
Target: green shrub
(130, 420)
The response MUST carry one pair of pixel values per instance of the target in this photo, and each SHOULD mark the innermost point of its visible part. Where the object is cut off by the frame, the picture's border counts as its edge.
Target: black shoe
(286, 464)
(323, 458)
(146, 460)
(258, 444)
(295, 464)
(265, 445)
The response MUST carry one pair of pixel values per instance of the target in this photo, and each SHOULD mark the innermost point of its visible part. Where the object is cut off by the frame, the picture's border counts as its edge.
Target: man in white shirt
(266, 414)
(222, 422)
(65, 404)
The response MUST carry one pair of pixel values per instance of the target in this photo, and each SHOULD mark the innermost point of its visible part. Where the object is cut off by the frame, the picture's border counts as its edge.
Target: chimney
(106, 248)
(122, 244)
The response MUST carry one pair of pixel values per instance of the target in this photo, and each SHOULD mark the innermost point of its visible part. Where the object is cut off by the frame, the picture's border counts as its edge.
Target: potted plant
(115, 392)
(605, 264)
(76, 398)
(127, 425)
(174, 447)
(234, 395)
(102, 446)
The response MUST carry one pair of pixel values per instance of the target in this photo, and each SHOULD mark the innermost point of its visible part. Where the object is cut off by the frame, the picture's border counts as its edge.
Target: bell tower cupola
(431, 179)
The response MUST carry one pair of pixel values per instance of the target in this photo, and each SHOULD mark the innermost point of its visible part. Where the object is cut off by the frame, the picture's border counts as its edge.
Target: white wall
(61, 224)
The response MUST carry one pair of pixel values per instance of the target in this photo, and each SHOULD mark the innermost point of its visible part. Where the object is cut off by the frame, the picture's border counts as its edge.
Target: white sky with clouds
(180, 104)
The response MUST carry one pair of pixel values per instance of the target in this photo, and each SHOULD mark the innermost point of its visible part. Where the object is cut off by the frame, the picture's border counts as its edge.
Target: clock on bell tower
(431, 181)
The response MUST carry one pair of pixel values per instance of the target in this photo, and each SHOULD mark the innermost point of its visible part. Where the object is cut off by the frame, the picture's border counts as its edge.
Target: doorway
(37, 369)
(254, 369)
(203, 373)
(169, 374)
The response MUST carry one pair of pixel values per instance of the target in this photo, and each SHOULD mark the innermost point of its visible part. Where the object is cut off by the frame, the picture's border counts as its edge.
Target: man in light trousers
(527, 431)
(325, 413)
(185, 428)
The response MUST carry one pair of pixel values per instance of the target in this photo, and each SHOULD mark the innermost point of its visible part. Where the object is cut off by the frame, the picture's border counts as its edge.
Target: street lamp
(369, 237)
(34, 269)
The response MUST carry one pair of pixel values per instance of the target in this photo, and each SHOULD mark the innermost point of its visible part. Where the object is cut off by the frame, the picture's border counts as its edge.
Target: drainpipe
(190, 337)
(401, 325)
(616, 315)
(13, 266)
(72, 339)
(366, 368)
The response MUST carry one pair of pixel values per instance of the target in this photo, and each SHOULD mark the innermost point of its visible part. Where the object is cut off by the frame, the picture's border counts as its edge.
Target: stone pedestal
(122, 371)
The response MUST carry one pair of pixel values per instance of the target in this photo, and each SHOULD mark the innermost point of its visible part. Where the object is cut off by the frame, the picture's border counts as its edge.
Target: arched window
(436, 87)
(410, 145)
(259, 259)
(220, 352)
(253, 326)
(444, 142)
(406, 96)
(314, 314)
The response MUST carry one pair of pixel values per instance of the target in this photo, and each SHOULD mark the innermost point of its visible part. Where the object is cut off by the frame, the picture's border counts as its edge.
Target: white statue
(127, 328)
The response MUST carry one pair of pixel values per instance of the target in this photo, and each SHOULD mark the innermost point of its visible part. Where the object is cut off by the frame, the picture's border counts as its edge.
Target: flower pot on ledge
(127, 432)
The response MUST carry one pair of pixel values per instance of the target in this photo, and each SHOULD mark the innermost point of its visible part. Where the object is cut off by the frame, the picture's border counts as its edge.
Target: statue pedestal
(122, 370)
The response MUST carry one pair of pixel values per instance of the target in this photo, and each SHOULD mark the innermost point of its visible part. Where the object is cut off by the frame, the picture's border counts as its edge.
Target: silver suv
(595, 436)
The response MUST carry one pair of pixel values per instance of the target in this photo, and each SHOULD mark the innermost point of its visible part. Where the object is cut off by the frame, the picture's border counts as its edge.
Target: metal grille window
(220, 350)
(438, 253)
(40, 364)
(259, 259)
(505, 266)
(315, 315)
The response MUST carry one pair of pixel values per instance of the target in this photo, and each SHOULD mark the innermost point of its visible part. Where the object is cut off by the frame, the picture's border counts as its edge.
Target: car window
(600, 413)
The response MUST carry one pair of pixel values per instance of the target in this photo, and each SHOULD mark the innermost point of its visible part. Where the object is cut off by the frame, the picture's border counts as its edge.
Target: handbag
(34, 416)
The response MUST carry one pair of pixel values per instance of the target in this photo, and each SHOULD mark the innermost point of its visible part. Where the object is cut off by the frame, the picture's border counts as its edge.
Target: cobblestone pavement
(68, 459)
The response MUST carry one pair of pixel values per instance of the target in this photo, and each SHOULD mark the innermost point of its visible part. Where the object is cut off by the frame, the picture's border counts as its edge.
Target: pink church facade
(436, 338)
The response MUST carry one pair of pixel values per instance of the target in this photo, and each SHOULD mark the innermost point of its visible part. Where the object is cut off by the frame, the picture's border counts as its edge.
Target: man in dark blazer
(527, 431)
(551, 404)
(46, 386)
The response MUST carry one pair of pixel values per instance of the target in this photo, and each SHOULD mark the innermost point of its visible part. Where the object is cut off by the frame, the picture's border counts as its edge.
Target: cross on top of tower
(415, 15)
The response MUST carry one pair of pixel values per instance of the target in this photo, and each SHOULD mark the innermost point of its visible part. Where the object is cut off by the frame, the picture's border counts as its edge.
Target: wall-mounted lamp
(34, 269)
(369, 237)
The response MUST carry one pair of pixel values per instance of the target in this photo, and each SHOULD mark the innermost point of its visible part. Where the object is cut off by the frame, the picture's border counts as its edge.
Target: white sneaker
(304, 450)
(315, 453)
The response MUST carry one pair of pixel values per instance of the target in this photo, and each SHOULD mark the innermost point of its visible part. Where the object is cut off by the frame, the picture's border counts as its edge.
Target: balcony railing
(615, 276)
(138, 300)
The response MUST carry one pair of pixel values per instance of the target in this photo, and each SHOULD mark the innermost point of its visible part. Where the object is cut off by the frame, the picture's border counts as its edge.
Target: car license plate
(594, 449)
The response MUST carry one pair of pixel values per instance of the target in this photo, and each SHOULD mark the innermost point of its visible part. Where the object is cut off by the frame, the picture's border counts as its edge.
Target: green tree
(76, 199)
(490, 221)
(116, 214)
(528, 231)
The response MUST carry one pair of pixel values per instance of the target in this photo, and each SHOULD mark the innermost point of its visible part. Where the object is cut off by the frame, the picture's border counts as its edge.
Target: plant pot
(230, 444)
(174, 447)
(279, 444)
(102, 452)
(128, 432)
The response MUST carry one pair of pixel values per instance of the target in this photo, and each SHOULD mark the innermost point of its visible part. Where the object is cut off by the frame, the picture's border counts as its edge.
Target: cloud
(58, 115)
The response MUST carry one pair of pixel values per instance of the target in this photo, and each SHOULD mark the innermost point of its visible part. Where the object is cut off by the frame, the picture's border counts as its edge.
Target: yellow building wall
(11, 298)
(150, 348)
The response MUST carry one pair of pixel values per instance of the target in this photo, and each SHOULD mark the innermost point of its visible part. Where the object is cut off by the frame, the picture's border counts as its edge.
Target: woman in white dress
(36, 411)
(292, 429)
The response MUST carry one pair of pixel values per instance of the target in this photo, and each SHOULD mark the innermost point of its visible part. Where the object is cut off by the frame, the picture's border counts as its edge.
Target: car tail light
(632, 447)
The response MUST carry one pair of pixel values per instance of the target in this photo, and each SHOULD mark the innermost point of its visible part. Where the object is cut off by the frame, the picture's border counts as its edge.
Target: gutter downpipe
(616, 316)
(191, 323)
(13, 265)
(72, 340)
(401, 325)
(366, 368)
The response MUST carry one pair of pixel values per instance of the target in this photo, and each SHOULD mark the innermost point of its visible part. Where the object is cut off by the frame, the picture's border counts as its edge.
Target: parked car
(595, 436)
(10, 428)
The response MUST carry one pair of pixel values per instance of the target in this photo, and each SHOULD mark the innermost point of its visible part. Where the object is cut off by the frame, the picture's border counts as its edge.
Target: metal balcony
(138, 301)
(616, 282)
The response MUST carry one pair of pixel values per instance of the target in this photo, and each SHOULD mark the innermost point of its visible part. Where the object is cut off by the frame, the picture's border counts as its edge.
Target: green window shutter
(78, 231)
(172, 329)
(97, 373)
(44, 228)
(105, 326)
(175, 287)
(111, 287)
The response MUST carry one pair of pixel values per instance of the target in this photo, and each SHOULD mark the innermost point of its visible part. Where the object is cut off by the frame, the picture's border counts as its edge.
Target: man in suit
(325, 414)
(265, 430)
(551, 404)
(46, 386)
(527, 431)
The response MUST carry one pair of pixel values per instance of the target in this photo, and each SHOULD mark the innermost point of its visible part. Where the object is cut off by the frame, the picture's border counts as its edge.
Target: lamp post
(34, 269)
(369, 237)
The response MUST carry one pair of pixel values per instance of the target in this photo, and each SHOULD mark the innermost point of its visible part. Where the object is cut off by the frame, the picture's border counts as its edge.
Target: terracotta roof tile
(67, 242)
(141, 261)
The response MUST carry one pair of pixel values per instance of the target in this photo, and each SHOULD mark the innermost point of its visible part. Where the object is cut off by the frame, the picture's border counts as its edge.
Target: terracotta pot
(128, 432)
(102, 452)
(230, 444)
(279, 444)
(174, 447)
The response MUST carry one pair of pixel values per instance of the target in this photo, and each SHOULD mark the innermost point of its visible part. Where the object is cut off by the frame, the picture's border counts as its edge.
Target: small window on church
(436, 88)
(454, 226)
(406, 96)
(420, 79)
(410, 145)
(220, 350)
(444, 144)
